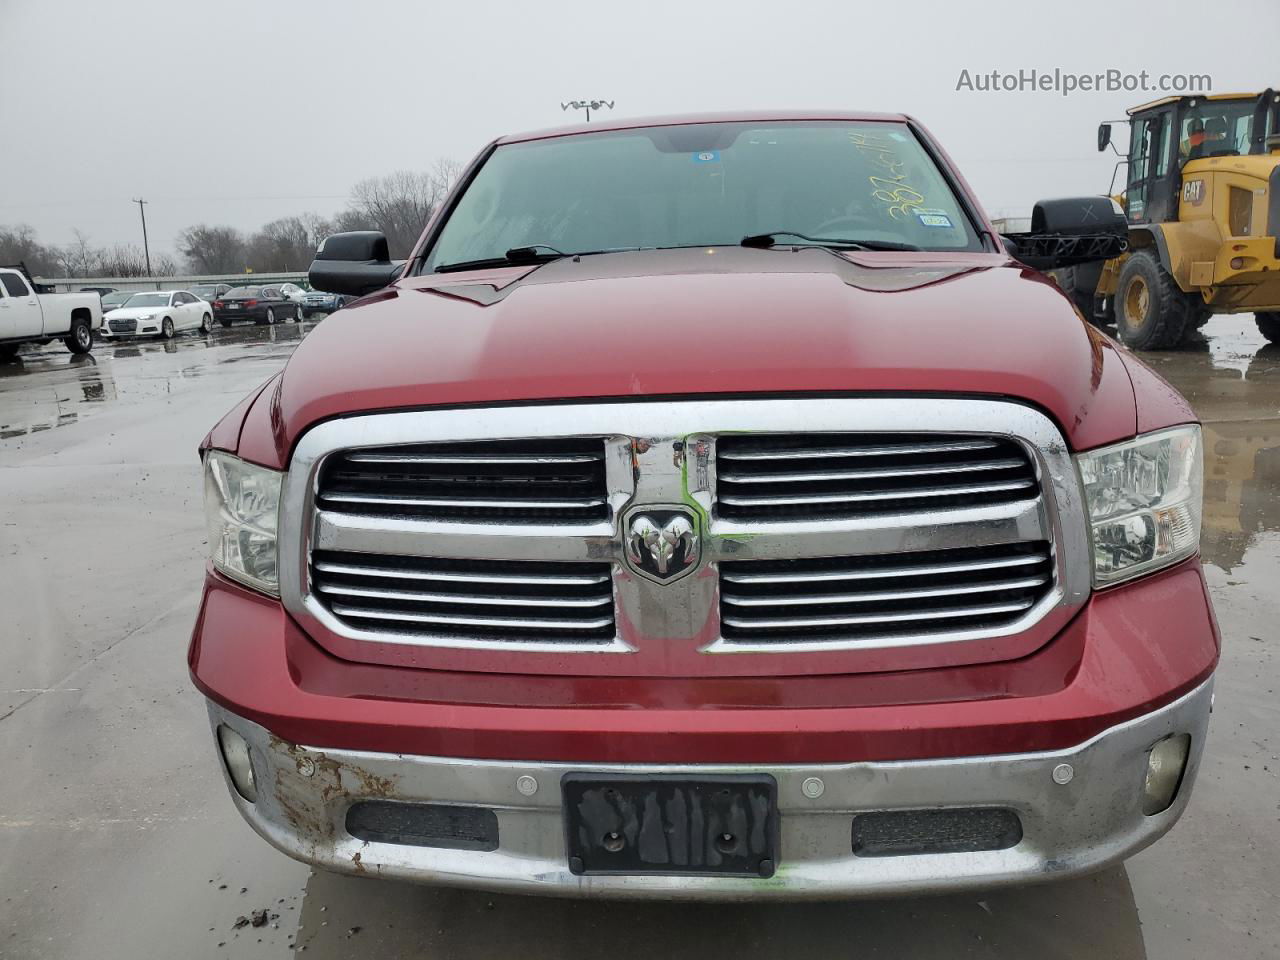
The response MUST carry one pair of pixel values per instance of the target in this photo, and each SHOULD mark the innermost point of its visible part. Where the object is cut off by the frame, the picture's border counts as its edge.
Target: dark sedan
(210, 291)
(260, 304)
(114, 299)
(318, 301)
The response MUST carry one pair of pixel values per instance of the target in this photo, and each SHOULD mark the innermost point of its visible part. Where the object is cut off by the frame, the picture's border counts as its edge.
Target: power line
(223, 199)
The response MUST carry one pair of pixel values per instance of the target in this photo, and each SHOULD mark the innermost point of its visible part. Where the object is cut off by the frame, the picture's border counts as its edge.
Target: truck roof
(748, 116)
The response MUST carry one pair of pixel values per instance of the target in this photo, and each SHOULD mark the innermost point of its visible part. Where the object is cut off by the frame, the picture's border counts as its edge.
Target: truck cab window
(16, 286)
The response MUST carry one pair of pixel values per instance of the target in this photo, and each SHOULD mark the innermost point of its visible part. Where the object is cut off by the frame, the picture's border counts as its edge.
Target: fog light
(1237, 263)
(1166, 764)
(235, 754)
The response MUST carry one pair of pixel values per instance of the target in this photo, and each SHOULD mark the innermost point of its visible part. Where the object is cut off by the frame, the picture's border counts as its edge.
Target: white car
(292, 292)
(164, 313)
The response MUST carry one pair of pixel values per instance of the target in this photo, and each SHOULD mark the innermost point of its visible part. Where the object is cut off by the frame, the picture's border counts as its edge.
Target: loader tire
(1151, 312)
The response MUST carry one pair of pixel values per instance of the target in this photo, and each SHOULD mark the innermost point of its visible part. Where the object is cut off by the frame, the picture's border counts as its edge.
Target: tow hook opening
(236, 758)
(1166, 765)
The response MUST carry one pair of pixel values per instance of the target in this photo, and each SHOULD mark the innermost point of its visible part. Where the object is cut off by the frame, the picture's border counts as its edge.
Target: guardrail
(72, 284)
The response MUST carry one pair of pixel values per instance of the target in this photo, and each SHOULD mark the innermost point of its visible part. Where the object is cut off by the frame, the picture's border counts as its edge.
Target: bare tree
(163, 265)
(400, 203)
(211, 250)
(78, 258)
(121, 260)
(18, 244)
(284, 244)
(349, 220)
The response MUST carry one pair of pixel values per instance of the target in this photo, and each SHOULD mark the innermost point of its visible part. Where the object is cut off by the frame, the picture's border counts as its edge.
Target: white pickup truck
(28, 316)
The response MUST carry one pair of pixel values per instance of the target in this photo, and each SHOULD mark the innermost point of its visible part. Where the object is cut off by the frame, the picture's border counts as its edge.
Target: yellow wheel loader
(1202, 200)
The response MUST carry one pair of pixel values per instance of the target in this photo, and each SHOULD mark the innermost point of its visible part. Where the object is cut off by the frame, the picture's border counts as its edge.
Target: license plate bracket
(636, 824)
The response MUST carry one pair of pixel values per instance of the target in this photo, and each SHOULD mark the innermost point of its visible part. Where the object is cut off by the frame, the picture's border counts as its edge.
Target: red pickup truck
(709, 507)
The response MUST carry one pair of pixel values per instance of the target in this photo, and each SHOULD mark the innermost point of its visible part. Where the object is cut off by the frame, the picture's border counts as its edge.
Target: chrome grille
(512, 600)
(814, 476)
(354, 487)
(123, 326)
(511, 481)
(854, 598)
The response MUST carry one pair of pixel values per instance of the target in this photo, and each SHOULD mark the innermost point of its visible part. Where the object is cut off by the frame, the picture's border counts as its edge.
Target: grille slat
(865, 598)
(870, 474)
(876, 495)
(556, 480)
(963, 566)
(512, 600)
(576, 580)
(482, 600)
(736, 448)
(458, 503)
(908, 594)
(797, 477)
(863, 619)
(416, 459)
(446, 620)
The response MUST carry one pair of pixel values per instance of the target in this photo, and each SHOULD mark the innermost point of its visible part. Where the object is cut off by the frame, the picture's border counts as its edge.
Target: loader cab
(1166, 135)
(1154, 173)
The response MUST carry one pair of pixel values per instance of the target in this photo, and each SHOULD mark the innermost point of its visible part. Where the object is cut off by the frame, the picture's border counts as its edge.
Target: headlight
(146, 316)
(1144, 501)
(242, 505)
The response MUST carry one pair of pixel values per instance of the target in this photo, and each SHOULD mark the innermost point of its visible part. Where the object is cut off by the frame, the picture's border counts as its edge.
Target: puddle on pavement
(47, 388)
(1231, 376)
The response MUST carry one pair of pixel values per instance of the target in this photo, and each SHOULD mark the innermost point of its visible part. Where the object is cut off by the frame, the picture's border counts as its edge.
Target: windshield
(1217, 128)
(204, 290)
(148, 300)
(706, 185)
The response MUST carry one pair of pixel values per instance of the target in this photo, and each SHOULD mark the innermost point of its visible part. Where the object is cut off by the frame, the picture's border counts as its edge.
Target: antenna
(587, 105)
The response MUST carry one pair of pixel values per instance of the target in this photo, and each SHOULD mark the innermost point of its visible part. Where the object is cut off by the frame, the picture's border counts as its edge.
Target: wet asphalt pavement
(117, 839)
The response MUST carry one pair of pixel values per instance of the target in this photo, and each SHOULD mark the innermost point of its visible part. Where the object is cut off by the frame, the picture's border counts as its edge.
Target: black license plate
(636, 824)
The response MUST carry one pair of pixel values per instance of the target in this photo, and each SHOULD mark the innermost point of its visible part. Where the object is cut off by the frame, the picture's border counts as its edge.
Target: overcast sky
(241, 111)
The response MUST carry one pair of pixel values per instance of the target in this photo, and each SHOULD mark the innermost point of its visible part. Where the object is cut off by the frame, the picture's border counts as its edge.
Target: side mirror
(353, 263)
(1104, 136)
(1071, 231)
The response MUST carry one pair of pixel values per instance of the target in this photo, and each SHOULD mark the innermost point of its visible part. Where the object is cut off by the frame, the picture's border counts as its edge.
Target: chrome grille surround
(665, 453)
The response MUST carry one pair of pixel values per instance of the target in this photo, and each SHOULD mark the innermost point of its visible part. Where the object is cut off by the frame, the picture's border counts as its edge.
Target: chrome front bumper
(1092, 820)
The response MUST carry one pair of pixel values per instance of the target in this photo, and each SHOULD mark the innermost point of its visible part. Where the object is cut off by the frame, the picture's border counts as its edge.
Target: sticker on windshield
(933, 218)
(707, 156)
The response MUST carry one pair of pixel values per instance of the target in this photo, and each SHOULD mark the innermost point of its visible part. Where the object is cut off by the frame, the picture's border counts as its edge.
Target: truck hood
(705, 322)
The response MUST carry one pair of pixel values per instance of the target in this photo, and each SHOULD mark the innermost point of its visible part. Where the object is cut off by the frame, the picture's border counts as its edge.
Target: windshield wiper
(515, 257)
(766, 240)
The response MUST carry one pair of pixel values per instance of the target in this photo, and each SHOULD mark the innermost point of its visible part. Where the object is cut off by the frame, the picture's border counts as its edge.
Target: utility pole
(587, 105)
(145, 249)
